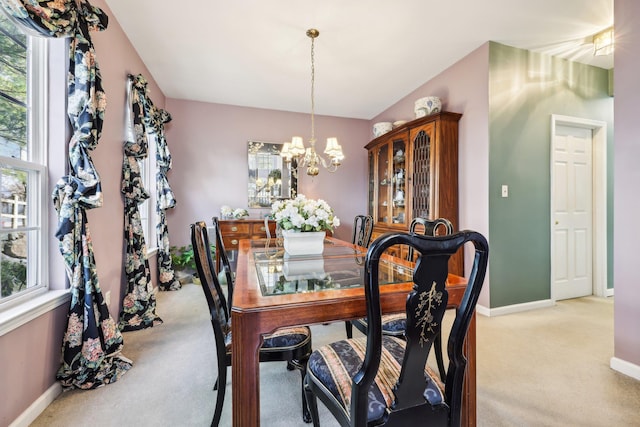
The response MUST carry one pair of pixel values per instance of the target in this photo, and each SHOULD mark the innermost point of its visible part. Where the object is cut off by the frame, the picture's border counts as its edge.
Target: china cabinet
(413, 172)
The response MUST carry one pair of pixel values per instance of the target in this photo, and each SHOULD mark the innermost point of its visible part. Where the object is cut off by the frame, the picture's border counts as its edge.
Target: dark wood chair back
(436, 227)
(206, 272)
(426, 305)
(224, 260)
(362, 230)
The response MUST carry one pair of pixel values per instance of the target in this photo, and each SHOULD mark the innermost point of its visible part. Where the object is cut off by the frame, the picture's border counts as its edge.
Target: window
(148, 208)
(23, 173)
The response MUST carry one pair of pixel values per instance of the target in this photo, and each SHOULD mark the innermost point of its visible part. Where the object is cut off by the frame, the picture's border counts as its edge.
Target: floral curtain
(154, 120)
(139, 303)
(92, 343)
(164, 200)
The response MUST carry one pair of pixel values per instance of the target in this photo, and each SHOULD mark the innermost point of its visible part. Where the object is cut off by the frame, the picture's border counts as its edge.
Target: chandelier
(308, 157)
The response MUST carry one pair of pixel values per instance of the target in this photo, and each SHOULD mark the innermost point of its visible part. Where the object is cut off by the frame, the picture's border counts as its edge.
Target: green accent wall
(525, 89)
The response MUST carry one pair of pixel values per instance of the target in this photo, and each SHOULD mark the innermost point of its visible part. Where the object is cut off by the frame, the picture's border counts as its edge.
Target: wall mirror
(270, 178)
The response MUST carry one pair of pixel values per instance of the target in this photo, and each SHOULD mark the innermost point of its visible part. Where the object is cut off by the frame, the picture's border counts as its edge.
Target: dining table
(273, 290)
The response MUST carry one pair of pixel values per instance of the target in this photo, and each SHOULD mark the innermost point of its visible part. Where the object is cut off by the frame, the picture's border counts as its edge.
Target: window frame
(147, 209)
(18, 309)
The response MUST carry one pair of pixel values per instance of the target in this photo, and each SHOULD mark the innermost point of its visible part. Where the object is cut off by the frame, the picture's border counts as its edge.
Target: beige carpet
(548, 367)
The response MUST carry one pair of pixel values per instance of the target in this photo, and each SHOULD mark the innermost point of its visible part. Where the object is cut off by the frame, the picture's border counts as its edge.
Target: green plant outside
(13, 277)
(183, 257)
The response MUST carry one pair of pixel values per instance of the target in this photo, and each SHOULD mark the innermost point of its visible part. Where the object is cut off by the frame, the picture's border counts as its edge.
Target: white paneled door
(572, 204)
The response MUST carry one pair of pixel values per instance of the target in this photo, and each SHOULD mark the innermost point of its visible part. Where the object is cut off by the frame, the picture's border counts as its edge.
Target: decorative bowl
(381, 128)
(427, 106)
(398, 123)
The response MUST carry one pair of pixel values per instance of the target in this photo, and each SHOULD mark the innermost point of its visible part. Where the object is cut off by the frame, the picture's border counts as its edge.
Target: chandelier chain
(313, 79)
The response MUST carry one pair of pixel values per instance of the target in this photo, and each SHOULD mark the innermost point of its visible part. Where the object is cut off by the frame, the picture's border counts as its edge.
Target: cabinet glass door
(422, 169)
(398, 181)
(383, 198)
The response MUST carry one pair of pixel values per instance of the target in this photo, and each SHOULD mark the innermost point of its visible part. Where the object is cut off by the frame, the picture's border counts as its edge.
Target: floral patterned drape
(154, 120)
(92, 343)
(164, 200)
(139, 303)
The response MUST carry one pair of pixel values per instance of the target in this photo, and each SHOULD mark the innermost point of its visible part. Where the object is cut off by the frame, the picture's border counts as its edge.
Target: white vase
(307, 243)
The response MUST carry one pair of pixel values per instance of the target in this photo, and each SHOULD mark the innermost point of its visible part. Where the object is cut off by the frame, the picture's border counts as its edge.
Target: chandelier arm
(323, 161)
(332, 168)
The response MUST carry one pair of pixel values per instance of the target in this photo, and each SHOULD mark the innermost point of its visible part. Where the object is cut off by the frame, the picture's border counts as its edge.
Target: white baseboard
(624, 367)
(608, 292)
(37, 407)
(515, 308)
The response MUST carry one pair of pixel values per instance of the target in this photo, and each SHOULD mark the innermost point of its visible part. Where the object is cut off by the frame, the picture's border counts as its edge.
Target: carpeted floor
(548, 367)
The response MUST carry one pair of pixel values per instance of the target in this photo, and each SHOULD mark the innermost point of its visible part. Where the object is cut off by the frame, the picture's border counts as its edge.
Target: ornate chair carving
(292, 345)
(383, 380)
(429, 228)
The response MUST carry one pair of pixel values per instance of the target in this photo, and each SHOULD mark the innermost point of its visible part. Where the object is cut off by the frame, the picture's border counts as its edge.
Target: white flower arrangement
(238, 213)
(305, 215)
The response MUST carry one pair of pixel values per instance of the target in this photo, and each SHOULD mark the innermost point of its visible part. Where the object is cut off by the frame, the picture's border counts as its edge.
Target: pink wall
(203, 182)
(626, 182)
(208, 145)
(30, 354)
(117, 59)
(463, 88)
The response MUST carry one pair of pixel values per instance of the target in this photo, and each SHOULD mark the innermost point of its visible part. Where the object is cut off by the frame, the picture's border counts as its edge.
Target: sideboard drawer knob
(234, 242)
(262, 228)
(234, 228)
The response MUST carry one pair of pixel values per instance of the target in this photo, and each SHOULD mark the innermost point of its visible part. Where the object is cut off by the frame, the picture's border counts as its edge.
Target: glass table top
(338, 267)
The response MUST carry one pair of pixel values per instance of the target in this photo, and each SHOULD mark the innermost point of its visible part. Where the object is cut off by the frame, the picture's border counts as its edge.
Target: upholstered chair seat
(334, 365)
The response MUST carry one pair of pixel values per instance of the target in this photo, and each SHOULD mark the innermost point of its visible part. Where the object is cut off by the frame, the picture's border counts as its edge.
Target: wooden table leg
(245, 369)
(469, 392)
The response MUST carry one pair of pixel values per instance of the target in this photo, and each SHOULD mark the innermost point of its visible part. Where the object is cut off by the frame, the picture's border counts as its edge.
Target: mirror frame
(273, 181)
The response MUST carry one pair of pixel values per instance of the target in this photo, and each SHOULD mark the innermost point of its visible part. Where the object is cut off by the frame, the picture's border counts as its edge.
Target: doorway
(578, 207)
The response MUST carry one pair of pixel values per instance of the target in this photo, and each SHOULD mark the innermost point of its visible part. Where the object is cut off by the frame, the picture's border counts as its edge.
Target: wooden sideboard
(233, 230)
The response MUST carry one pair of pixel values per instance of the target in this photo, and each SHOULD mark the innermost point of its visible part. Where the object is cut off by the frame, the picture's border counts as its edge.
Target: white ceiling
(370, 53)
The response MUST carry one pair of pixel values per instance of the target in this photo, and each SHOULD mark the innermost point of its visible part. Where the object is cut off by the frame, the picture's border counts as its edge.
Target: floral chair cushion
(392, 324)
(333, 366)
(281, 339)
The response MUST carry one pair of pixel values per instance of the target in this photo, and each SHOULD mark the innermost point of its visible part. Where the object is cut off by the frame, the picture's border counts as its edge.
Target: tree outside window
(16, 177)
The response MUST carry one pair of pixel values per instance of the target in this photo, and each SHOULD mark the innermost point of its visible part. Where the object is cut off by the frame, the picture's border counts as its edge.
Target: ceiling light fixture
(603, 42)
(308, 157)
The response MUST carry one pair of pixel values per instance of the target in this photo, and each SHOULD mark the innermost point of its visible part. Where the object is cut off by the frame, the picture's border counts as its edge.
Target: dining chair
(292, 345)
(394, 324)
(226, 266)
(362, 230)
(384, 380)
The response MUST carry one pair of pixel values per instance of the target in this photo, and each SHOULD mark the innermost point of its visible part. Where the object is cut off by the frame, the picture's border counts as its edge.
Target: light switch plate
(505, 191)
